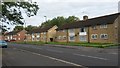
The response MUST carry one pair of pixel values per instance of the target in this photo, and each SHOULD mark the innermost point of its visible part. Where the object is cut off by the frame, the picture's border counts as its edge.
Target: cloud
(76, 0)
(54, 8)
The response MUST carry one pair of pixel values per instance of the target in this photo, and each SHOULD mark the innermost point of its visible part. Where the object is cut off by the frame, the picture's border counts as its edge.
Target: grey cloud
(53, 9)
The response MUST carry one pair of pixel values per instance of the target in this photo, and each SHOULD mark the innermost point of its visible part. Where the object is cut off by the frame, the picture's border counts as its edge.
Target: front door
(51, 39)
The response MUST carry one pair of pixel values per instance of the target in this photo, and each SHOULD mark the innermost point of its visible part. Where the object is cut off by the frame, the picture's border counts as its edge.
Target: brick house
(15, 35)
(1, 37)
(46, 34)
(103, 29)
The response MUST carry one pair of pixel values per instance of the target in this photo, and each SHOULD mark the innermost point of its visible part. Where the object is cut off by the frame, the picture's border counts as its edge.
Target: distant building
(1, 37)
(15, 35)
(104, 29)
(46, 34)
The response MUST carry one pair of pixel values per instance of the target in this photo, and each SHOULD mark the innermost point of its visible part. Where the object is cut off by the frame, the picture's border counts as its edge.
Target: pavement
(57, 55)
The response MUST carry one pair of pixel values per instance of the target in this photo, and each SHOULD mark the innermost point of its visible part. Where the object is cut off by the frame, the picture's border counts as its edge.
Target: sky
(78, 8)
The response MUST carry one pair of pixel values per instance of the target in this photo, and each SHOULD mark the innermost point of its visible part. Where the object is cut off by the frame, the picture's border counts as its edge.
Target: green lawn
(34, 43)
(98, 45)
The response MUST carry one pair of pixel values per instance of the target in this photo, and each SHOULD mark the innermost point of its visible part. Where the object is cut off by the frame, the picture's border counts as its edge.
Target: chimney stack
(85, 17)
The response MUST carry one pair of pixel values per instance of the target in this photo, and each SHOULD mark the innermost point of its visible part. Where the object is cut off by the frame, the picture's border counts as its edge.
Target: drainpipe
(67, 36)
(46, 37)
(88, 35)
(40, 37)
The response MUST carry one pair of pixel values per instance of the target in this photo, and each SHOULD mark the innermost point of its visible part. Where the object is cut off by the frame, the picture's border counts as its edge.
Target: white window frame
(33, 39)
(18, 38)
(95, 36)
(64, 30)
(64, 37)
(94, 27)
(104, 36)
(37, 35)
(18, 34)
(72, 39)
(8, 37)
(71, 30)
(61, 30)
(59, 37)
(11, 37)
(82, 40)
(38, 38)
(103, 26)
(44, 37)
(44, 32)
(116, 25)
(14, 38)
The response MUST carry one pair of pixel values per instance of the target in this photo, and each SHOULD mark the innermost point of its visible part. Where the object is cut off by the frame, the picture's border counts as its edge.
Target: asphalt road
(32, 55)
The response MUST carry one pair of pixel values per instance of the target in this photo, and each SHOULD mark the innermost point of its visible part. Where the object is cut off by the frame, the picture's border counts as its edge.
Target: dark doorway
(51, 39)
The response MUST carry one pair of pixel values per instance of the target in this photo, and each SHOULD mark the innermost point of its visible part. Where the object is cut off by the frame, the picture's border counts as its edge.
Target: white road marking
(54, 50)
(52, 58)
(91, 56)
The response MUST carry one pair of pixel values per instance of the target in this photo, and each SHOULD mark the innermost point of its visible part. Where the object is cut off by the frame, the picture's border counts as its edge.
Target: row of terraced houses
(103, 29)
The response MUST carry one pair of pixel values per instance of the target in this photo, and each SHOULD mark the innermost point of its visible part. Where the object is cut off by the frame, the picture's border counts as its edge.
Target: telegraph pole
(25, 39)
(46, 31)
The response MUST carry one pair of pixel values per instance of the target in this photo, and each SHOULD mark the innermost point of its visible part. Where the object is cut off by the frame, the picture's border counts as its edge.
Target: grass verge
(97, 45)
(33, 42)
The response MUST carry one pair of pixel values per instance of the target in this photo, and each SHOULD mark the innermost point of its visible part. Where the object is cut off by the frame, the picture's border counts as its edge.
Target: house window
(44, 32)
(8, 37)
(94, 36)
(14, 35)
(59, 37)
(62, 30)
(38, 38)
(94, 27)
(37, 34)
(33, 36)
(18, 38)
(14, 38)
(104, 36)
(83, 38)
(33, 39)
(71, 30)
(82, 29)
(115, 25)
(44, 37)
(72, 38)
(103, 26)
(64, 37)
(18, 34)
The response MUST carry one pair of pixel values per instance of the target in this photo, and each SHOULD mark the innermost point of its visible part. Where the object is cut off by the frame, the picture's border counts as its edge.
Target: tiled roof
(108, 19)
(12, 33)
(39, 30)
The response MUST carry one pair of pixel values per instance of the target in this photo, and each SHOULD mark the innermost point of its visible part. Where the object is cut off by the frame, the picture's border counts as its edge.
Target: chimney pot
(85, 17)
